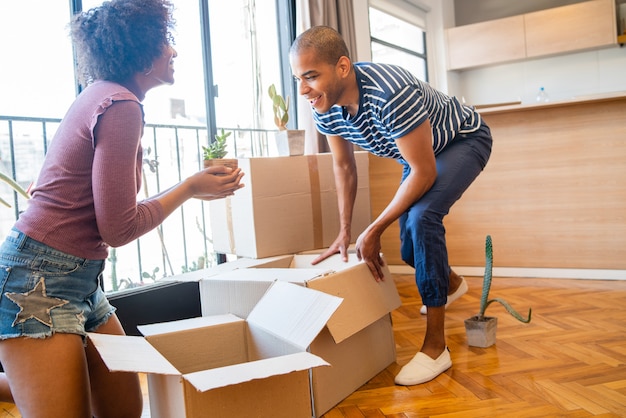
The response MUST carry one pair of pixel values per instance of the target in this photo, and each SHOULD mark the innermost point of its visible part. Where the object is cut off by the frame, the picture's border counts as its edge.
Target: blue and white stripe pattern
(393, 102)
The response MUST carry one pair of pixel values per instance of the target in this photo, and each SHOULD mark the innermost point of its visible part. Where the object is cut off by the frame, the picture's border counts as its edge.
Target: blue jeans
(44, 290)
(422, 234)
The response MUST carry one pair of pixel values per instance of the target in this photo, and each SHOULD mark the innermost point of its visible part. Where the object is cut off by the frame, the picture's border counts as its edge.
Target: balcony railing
(172, 152)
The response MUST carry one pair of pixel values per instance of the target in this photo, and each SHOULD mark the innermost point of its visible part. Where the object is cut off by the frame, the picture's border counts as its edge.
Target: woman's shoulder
(110, 89)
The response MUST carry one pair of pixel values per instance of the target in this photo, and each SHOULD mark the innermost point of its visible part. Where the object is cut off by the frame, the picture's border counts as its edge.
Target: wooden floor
(570, 361)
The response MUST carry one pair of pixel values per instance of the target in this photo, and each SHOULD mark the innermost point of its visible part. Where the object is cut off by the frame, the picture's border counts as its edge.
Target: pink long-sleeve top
(85, 198)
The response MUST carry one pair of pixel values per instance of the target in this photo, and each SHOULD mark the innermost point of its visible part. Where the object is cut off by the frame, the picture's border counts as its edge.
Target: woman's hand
(215, 182)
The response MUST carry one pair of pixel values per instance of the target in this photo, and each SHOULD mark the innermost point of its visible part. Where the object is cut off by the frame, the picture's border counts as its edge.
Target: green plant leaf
(487, 276)
(280, 107)
(13, 184)
(510, 310)
(217, 148)
(484, 298)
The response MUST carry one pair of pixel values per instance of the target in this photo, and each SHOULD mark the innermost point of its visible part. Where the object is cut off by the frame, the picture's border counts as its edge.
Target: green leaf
(8, 180)
(512, 311)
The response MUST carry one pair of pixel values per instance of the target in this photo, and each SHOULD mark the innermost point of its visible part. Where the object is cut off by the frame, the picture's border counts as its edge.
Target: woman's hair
(325, 41)
(120, 38)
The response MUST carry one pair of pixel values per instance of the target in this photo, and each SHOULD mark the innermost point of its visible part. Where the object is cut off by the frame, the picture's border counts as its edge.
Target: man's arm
(344, 168)
(416, 149)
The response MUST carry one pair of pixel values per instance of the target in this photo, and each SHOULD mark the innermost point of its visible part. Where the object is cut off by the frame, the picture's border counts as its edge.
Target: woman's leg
(114, 394)
(48, 376)
(5, 389)
(53, 377)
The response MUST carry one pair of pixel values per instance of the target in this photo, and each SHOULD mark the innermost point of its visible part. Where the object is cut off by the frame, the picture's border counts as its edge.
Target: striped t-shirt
(393, 102)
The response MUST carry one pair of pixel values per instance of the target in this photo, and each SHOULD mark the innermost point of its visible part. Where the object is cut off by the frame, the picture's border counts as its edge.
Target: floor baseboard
(549, 273)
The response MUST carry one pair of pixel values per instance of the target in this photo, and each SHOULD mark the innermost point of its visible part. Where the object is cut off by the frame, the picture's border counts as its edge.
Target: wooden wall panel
(553, 194)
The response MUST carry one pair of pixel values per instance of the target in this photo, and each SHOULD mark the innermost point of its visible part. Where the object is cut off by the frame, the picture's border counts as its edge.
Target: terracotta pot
(481, 333)
(228, 162)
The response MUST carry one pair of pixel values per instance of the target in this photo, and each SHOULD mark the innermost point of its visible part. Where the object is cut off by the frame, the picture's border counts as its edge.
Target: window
(36, 75)
(398, 41)
(245, 60)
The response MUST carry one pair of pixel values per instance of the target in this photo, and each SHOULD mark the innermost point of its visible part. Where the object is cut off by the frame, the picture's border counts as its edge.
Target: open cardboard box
(289, 205)
(228, 366)
(359, 335)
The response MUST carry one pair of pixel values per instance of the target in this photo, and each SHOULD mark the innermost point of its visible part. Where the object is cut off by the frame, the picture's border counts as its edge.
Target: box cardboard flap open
(122, 353)
(186, 324)
(271, 274)
(260, 369)
(239, 263)
(238, 291)
(294, 313)
(365, 299)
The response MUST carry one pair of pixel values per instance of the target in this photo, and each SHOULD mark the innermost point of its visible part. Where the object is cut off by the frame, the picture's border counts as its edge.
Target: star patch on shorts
(38, 304)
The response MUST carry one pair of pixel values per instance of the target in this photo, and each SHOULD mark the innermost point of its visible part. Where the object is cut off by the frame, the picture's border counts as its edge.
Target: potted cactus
(216, 151)
(481, 329)
(288, 141)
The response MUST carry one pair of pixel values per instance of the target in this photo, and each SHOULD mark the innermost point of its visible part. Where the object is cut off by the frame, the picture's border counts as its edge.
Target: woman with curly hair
(84, 201)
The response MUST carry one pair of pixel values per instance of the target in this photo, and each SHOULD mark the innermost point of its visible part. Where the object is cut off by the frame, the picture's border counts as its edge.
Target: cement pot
(481, 332)
(290, 142)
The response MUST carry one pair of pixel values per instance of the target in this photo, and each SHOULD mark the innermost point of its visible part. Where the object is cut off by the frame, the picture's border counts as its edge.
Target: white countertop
(556, 103)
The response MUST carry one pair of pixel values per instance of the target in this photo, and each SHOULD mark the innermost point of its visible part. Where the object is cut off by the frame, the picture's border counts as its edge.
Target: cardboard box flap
(294, 313)
(197, 275)
(272, 274)
(243, 372)
(365, 299)
(186, 324)
(122, 353)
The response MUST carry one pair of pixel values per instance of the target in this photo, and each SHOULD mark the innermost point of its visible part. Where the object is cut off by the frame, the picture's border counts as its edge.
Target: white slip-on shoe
(462, 289)
(422, 368)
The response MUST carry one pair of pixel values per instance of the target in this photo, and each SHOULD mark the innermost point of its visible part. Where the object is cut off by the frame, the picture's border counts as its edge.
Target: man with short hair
(442, 144)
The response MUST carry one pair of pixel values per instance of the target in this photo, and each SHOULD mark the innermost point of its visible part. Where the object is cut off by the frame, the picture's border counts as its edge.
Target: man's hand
(340, 246)
(368, 250)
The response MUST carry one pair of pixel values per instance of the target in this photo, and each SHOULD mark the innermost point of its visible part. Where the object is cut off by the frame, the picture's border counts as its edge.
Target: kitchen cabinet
(576, 27)
(486, 43)
(570, 28)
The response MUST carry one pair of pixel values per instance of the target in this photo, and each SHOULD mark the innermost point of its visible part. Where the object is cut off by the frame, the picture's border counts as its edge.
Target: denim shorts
(45, 291)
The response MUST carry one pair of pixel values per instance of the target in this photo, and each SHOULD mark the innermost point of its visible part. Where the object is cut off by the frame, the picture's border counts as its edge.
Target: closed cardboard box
(288, 205)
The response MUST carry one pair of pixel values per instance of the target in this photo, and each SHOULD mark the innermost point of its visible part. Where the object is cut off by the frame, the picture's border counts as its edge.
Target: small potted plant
(216, 151)
(288, 141)
(481, 329)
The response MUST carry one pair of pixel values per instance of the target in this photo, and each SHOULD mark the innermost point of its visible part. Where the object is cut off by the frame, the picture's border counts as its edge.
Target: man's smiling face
(318, 82)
